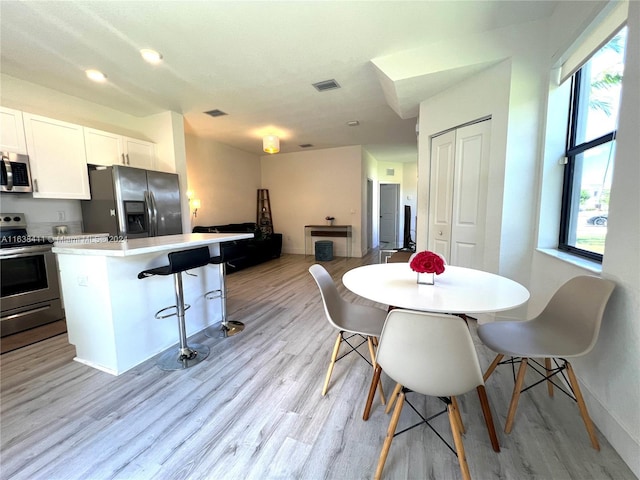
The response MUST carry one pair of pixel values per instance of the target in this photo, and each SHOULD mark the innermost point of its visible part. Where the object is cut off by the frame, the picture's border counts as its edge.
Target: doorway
(389, 207)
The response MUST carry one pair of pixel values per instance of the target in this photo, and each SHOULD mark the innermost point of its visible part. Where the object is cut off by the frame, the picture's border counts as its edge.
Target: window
(593, 118)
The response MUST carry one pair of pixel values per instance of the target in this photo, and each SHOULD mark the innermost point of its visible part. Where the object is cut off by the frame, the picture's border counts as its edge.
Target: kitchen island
(111, 313)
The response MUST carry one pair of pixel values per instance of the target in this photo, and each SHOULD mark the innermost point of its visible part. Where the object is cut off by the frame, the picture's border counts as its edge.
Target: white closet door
(470, 194)
(441, 193)
(458, 194)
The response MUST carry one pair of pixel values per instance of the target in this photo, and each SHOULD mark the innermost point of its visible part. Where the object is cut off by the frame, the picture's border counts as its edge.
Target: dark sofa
(239, 254)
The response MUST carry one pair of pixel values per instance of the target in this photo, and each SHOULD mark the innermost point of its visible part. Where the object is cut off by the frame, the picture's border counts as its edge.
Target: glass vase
(427, 278)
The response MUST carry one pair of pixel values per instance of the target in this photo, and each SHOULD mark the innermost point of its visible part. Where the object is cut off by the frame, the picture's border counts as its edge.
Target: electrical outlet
(61, 215)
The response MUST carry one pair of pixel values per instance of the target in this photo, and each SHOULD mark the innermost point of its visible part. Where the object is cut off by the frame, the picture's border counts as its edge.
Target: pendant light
(271, 143)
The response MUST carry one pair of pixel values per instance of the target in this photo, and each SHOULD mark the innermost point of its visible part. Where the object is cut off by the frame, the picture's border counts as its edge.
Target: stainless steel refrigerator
(132, 202)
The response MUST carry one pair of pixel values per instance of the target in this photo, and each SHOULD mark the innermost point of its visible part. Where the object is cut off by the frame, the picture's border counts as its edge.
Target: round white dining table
(456, 290)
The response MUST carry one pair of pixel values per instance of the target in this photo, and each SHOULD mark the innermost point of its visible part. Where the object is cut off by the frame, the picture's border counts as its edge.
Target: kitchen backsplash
(44, 214)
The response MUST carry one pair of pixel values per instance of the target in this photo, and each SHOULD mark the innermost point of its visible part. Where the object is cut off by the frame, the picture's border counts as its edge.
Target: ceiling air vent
(326, 85)
(216, 113)
(305, 145)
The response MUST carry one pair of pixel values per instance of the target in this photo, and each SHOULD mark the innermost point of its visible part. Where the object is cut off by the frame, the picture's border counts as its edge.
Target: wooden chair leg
(370, 343)
(516, 395)
(457, 440)
(583, 407)
(454, 400)
(389, 438)
(394, 395)
(488, 418)
(547, 367)
(372, 391)
(493, 366)
(334, 356)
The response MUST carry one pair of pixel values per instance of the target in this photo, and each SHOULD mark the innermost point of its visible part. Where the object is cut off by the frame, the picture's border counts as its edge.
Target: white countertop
(140, 246)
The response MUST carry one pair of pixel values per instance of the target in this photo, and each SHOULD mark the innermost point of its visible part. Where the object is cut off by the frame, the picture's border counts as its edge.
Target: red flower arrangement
(427, 262)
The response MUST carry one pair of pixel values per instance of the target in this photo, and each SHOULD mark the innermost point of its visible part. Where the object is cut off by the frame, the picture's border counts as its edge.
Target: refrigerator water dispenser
(135, 217)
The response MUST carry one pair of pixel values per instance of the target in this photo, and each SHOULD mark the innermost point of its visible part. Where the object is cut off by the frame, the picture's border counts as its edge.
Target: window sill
(584, 263)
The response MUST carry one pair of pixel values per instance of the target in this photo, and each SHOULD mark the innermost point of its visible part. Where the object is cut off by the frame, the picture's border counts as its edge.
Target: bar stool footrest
(160, 317)
(213, 294)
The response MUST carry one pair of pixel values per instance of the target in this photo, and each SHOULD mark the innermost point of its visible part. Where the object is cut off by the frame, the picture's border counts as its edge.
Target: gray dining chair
(567, 327)
(355, 323)
(430, 354)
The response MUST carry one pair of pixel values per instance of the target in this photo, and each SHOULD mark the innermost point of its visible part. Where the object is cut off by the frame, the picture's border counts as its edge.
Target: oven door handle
(26, 252)
(28, 312)
(7, 168)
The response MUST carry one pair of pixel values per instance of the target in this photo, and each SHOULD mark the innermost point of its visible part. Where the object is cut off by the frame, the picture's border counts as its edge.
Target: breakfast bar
(111, 313)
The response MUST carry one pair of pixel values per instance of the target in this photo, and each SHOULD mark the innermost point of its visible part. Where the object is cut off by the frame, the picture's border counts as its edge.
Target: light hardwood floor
(253, 409)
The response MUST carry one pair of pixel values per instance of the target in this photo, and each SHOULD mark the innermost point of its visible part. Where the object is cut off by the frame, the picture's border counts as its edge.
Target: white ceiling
(257, 61)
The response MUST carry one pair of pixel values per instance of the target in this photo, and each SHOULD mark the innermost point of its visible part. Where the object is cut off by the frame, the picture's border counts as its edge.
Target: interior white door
(458, 194)
(389, 205)
(441, 193)
(470, 194)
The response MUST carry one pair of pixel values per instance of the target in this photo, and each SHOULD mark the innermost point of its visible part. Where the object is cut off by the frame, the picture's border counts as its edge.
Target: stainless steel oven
(29, 281)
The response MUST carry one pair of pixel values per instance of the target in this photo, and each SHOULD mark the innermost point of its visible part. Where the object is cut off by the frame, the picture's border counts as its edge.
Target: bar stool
(181, 261)
(226, 328)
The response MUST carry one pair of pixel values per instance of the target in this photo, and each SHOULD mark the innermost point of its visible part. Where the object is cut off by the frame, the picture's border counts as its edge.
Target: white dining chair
(567, 327)
(355, 323)
(430, 354)
(401, 256)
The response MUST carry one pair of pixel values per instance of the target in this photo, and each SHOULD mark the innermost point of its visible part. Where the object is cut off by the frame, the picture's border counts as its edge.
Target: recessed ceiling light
(96, 75)
(353, 123)
(151, 56)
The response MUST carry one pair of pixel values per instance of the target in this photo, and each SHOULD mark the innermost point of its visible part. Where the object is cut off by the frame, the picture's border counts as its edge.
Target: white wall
(305, 187)
(610, 374)
(370, 172)
(225, 179)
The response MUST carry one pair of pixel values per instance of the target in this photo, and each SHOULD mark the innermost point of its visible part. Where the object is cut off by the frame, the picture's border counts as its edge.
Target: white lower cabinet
(106, 148)
(57, 157)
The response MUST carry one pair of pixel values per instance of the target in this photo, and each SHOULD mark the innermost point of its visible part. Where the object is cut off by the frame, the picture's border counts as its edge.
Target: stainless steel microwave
(16, 174)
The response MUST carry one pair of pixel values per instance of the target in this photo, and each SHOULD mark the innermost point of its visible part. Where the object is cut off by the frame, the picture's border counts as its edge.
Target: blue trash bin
(324, 250)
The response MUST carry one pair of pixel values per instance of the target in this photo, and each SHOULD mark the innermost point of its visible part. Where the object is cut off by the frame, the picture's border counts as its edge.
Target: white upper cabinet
(105, 148)
(57, 157)
(12, 131)
(139, 153)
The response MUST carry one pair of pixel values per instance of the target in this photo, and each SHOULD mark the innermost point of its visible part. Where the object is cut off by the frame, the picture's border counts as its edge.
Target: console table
(339, 231)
